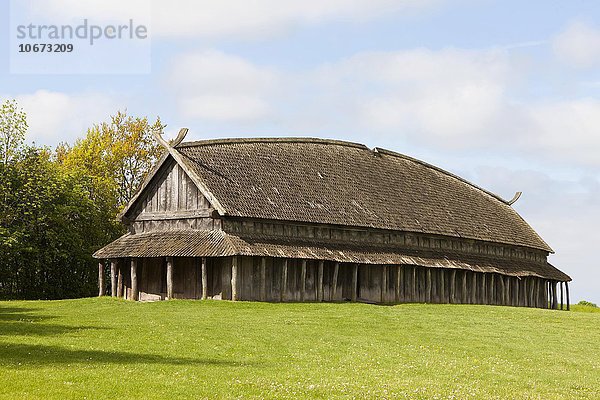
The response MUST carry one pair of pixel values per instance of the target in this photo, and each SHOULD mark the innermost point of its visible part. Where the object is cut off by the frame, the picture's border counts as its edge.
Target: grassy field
(108, 348)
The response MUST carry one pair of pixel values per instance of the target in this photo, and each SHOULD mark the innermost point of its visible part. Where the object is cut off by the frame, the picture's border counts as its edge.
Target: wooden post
(134, 282)
(100, 279)
(443, 298)
(474, 288)
(400, 283)
(428, 286)
(320, 281)
(234, 278)
(414, 285)
(113, 278)
(492, 290)
(568, 302)
(263, 279)
(170, 278)
(554, 295)
(384, 273)
(464, 297)
(303, 280)
(120, 280)
(204, 279)
(336, 267)
(452, 286)
(354, 281)
(284, 274)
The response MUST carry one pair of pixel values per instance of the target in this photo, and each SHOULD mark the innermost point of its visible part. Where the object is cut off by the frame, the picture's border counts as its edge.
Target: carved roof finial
(180, 136)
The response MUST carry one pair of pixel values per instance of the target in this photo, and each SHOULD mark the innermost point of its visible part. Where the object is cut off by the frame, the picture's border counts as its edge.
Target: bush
(587, 304)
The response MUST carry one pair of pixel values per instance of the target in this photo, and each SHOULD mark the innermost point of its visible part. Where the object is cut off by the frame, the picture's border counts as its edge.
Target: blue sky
(504, 93)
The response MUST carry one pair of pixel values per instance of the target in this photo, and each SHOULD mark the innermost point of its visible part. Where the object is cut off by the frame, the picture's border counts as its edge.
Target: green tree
(116, 154)
(13, 126)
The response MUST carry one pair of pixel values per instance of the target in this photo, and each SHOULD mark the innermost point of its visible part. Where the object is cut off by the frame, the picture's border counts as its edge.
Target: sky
(503, 93)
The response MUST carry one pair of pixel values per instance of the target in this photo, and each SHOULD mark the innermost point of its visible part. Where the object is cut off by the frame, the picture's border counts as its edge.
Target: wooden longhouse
(323, 220)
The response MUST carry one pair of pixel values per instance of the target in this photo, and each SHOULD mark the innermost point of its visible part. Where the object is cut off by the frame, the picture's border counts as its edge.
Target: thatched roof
(341, 183)
(190, 243)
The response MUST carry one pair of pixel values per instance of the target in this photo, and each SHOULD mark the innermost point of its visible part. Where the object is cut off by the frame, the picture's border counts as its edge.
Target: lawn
(108, 348)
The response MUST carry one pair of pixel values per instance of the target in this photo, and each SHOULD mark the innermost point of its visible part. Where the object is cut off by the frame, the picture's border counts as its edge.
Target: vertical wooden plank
(502, 290)
(204, 279)
(320, 281)
(492, 291)
(234, 278)
(384, 274)
(302, 280)
(568, 300)
(464, 295)
(100, 279)
(401, 290)
(428, 286)
(263, 279)
(113, 278)
(561, 295)
(354, 281)
(284, 274)
(134, 280)
(120, 280)
(334, 281)
(169, 278)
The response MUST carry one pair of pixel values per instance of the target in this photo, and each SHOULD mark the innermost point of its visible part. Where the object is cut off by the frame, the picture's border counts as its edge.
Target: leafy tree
(117, 154)
(13, 126)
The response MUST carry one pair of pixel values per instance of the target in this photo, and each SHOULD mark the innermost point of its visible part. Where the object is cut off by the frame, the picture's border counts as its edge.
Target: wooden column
(474, 288)
(100, 279)
(453, 286)
(428, 286)
(263, 279)
(336, 268)
(284, 273)
(415, 295)
(320, 281)
(384, 273)
(464, 296)
(113, 278)
(303, 280)
(354, 281)
(492, 291)
(568, 300)
(134, 282)
(234, 279)
(443, 298)
(400, 284)
(120, 280)
(170, 277)
(204, 279)
(554, 295)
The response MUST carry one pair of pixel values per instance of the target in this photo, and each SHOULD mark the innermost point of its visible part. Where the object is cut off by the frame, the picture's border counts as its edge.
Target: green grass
(108, 348)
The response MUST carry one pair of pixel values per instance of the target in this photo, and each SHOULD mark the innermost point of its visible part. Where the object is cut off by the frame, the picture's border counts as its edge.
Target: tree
(13, 126)
(117, 154)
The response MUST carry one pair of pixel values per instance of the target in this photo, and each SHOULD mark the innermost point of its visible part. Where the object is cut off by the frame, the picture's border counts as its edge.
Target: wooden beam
(134, 281)
(320, 281)
(484, 294)
(113, 278)
(263, 279)
(204, 279)
(464, 296)
(443, 298)
(492, 291)
(120, 280)
(474, 287)
(234, 278)
(284, 274)
(554, 295)
(303, 280)
(354, 281)
(100, 279)
(384, 273)
(169, 261)
(414, 285)
(428, 286)
(568, 300)
(336, 268)
(401, 291)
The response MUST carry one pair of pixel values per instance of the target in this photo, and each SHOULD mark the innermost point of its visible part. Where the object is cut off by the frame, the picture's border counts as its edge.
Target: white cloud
(578, 45)
(215, 86)
(230, 18)
(54, 117)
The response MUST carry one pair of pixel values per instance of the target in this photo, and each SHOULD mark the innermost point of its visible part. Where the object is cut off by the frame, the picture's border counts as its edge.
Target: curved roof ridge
(208, 142)
(431, 166)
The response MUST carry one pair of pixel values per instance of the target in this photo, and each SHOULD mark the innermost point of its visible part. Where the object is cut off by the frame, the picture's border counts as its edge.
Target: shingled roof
(342, 183)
